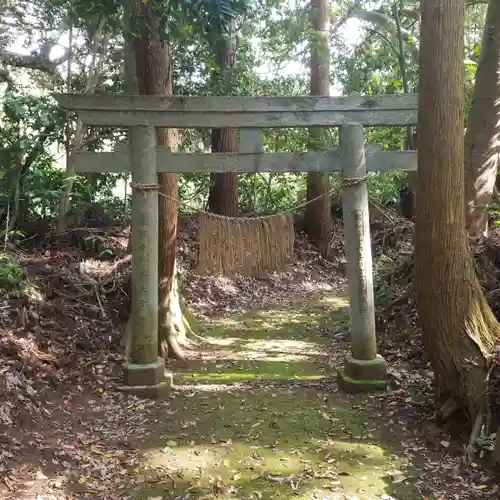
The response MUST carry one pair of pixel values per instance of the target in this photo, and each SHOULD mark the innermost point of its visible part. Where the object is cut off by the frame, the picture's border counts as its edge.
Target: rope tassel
(251, 246)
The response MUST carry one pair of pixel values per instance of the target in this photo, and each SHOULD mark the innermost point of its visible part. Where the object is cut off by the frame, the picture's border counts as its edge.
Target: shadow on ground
(259, 415)
(255, 414)
(272, 444)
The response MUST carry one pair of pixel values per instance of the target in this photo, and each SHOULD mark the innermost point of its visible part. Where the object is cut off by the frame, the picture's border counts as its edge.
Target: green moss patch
(271, 444)
(224, 436)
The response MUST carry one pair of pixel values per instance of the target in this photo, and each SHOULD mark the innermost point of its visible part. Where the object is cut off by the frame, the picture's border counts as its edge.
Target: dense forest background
(253, 359)
(56, 47)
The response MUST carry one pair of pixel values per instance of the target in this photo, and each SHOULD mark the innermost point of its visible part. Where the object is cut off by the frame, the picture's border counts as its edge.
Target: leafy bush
(384, 187)
(392, 272)
(12, 277)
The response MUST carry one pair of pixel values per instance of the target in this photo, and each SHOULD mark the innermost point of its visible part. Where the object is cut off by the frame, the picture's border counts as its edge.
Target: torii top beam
(240, 112)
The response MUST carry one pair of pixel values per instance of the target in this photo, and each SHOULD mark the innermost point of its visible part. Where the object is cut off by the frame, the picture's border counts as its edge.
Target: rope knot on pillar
(144, 187)
(352, 181)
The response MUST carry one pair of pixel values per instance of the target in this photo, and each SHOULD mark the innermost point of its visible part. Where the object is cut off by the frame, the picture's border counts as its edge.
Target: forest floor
(255, 412)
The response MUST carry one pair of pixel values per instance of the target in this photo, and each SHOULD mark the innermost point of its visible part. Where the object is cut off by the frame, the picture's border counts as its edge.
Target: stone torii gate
(144, 372)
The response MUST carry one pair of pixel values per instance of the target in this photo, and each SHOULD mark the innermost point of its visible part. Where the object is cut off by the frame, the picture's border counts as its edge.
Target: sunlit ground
(260, 417)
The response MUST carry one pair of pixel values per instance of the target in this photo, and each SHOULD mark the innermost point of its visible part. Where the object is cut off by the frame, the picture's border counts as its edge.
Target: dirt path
(256, 414)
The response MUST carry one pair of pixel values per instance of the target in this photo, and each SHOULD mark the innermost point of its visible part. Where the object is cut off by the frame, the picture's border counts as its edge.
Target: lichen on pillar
(363, 369)
(144, 371)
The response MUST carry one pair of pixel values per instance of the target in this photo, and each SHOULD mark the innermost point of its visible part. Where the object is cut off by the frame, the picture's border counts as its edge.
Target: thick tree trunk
(317, 217)
(481, 140)
(459, 328)
(223, 196)
(154, 77)
(170, 321)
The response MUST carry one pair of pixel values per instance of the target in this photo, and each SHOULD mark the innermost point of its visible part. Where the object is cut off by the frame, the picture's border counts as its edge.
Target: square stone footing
(150, 374)
(359, 375)
(146, 381)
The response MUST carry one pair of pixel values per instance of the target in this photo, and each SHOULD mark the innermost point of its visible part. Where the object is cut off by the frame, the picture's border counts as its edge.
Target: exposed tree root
(470, 448)
(495, 456)
(176, 330)
(172, 336)
(447, 409)
(190, 323)
(172, 349)
(459, 341)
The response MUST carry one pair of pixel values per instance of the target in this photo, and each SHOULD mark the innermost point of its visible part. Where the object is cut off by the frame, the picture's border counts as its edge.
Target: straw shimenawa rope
(251, 246)
(144, 187)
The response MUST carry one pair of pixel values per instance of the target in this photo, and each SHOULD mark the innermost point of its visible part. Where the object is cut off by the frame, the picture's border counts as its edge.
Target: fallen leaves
(59, 371)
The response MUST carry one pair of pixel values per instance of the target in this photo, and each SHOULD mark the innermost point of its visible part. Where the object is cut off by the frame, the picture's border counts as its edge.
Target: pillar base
(148, 381)
(358, 375)
(158, 391)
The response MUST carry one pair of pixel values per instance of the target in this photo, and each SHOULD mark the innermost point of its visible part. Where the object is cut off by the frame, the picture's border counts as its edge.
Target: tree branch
(386, 40)
(39, 61)
(344, 18)
(386, 23)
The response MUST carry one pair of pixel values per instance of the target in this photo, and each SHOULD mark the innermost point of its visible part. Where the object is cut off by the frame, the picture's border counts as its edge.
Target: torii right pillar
(364, 370)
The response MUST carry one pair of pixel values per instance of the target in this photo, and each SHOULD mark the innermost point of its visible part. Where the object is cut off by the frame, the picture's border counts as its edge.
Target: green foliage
(392, 271)
(384, 187)
(271, 33)
(268, 193)
(96, 244)
(12, 278)
(42, 189)
(30, 180)
(29, 125)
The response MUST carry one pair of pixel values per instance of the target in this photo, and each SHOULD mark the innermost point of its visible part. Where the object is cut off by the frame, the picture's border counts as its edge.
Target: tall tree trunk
(154, 77)
(459, 328)
(223, 196)
(318, 184)
(129, 79)
(99, 42)
(483, 130)
(407, 194)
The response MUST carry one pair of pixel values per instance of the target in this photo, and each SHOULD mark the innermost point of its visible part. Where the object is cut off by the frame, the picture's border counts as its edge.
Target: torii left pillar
(144, 372)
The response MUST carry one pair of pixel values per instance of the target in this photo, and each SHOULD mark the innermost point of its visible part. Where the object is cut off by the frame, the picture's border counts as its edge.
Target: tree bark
(99, 42)
(317, 214)
(459, 328)
(481, 140)
(154, 77)
(223, 196)
(129, 79)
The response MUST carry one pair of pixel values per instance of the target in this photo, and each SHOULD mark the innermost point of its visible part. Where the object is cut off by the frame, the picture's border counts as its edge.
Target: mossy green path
(259, 415)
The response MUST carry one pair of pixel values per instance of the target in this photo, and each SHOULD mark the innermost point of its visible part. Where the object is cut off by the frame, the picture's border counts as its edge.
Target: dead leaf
(280, 479)
(398, 478)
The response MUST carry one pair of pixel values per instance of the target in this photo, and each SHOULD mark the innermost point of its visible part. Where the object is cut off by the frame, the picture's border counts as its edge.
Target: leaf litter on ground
(66, 434)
